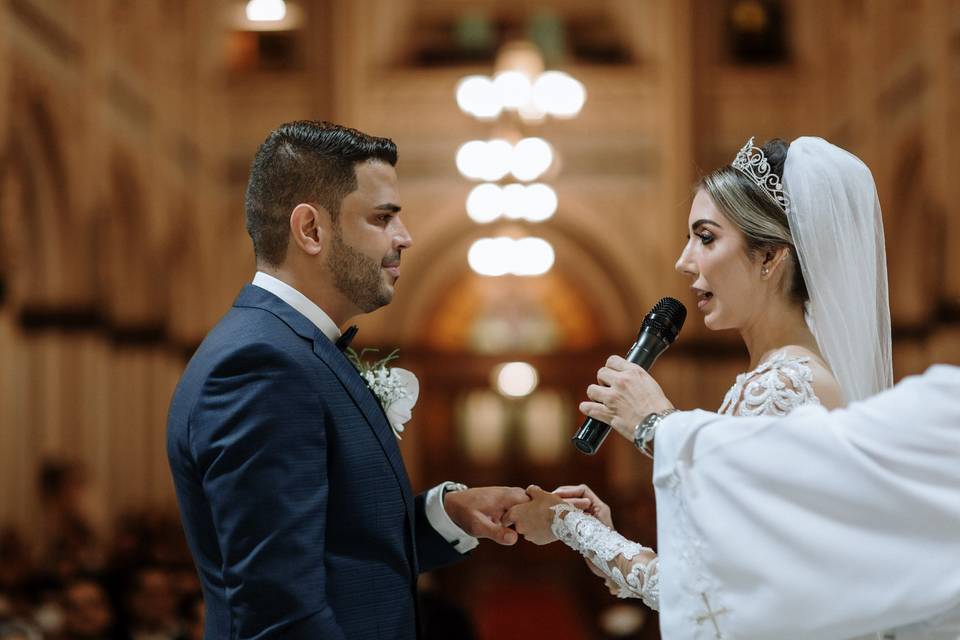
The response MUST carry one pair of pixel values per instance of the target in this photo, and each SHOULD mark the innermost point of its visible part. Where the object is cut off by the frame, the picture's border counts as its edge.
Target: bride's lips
(703, 297)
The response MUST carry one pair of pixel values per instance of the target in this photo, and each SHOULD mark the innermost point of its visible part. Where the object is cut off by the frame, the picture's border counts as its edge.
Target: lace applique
(610, 552)
(775, 388)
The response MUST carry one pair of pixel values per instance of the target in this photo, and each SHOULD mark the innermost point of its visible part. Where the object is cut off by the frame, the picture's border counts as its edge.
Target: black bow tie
(344, 340)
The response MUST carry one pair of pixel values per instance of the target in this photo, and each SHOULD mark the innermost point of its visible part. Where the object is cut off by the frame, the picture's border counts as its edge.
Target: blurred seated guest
(14, 571)
(43, 598)
(71, 542)
(185, 584)
(128, 542)
(161, 542)
(17, 630)
(151, 605)
(87, 612)
(14, 560)
(191, 617)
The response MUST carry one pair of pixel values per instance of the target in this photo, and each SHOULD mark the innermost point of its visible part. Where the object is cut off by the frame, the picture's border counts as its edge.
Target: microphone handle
(644, 352)
(647, 349)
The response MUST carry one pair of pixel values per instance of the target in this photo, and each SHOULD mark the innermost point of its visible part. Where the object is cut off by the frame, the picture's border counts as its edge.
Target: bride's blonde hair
(761, 220)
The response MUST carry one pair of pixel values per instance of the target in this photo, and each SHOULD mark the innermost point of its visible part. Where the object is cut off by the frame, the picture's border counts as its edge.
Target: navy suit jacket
(294, 498)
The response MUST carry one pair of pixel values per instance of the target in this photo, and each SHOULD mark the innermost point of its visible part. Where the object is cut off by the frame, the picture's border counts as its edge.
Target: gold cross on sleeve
(710, 615)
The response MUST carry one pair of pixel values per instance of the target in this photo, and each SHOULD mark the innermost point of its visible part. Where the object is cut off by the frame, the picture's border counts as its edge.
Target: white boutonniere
(397, 389)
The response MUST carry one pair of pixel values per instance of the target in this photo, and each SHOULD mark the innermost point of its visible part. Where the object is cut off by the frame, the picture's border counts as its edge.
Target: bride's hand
(582, 497)
(625, 396)
(532, 519)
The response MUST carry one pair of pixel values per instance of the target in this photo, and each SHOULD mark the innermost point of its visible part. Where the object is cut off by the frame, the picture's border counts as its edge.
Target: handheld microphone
(659, 329)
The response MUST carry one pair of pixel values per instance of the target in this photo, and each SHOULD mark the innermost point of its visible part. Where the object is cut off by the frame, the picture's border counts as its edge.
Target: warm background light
(513, 89)
(554, 93)
(477, 96)
(527, 256)
(266, 10)
(516, 379)
(530, 158)
(559, 94)
(485, 203)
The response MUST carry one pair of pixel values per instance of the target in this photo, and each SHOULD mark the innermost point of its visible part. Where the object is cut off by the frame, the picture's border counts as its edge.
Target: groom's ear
(309, 223)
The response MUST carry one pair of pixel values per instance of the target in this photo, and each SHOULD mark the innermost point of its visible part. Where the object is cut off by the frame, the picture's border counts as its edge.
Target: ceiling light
(516, 379)
(530, 158)
(266, 10)
(485, 203)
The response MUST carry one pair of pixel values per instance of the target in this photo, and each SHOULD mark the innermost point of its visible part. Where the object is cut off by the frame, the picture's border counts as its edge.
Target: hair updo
(760, 219)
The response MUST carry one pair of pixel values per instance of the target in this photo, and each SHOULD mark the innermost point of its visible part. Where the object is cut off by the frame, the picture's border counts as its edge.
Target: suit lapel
(368, 404)
(254, 296)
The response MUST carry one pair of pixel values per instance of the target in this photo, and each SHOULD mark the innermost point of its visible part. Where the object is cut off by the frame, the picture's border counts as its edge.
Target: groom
(293, 494)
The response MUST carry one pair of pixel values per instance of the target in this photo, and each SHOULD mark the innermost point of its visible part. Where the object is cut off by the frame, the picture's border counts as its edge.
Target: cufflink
(449, 487)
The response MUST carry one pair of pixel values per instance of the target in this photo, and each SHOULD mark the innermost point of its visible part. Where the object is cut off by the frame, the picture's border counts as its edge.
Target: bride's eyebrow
(704, 221)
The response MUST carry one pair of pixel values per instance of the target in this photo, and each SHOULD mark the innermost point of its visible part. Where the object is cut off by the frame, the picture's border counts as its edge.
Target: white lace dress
(775, 387)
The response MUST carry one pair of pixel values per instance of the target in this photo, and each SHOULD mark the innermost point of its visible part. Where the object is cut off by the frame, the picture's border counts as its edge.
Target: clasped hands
(501, 513)
(624, 396)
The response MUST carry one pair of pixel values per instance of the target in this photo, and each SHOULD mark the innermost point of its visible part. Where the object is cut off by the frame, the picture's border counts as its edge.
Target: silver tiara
(752, 162)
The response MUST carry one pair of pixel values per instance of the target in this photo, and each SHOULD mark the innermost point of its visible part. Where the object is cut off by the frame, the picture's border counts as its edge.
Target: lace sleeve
(773, 389)
(631, 567)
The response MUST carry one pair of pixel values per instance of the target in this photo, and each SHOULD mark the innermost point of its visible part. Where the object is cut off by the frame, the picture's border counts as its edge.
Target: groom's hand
(533, 519)
(480, 511)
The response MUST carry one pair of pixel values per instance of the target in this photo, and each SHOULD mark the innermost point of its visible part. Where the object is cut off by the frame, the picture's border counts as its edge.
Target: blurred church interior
(126, 133)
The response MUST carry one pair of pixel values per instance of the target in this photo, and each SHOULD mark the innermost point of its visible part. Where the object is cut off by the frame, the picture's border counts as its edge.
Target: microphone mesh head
(666, 318)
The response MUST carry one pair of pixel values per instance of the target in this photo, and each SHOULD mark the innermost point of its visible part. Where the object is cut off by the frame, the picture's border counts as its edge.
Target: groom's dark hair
(304, 161)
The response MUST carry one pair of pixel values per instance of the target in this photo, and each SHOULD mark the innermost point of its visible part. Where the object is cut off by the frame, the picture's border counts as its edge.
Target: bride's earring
(764, 272)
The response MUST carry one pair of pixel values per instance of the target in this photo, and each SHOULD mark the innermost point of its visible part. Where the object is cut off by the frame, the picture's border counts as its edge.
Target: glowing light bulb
(496, 159)
(471, 159)
(541, 201)
(530, 158)
(513, 89)
(515, 201)
(517, 379)
(485, 203)
(559, 94)
(532, 257)
(478, 96)
(266, 10)
(500, 256)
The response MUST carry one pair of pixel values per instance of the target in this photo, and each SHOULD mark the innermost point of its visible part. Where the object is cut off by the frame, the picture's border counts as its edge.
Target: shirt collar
(300, 302)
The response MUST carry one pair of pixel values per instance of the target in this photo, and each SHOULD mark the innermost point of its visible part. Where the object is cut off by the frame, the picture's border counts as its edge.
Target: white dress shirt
(826, 525)
(436, 514)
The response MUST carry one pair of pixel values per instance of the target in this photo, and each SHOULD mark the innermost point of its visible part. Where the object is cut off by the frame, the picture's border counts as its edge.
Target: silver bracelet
(644, 432)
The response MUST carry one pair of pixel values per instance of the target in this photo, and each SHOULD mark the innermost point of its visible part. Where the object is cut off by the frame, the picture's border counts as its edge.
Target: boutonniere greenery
(397, 389)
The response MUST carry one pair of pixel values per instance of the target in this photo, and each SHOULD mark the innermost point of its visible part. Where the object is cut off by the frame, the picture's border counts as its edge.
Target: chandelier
(512, 169)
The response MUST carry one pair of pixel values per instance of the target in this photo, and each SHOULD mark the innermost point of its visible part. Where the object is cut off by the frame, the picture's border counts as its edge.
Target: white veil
(835, 220)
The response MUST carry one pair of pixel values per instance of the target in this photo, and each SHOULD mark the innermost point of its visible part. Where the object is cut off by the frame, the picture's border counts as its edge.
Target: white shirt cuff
(441, 522)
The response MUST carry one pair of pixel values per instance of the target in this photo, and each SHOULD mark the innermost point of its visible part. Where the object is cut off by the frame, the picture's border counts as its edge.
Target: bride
(786, 246)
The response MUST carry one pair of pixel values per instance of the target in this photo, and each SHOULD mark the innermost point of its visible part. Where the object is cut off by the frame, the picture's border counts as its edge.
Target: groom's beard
(357, 276)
